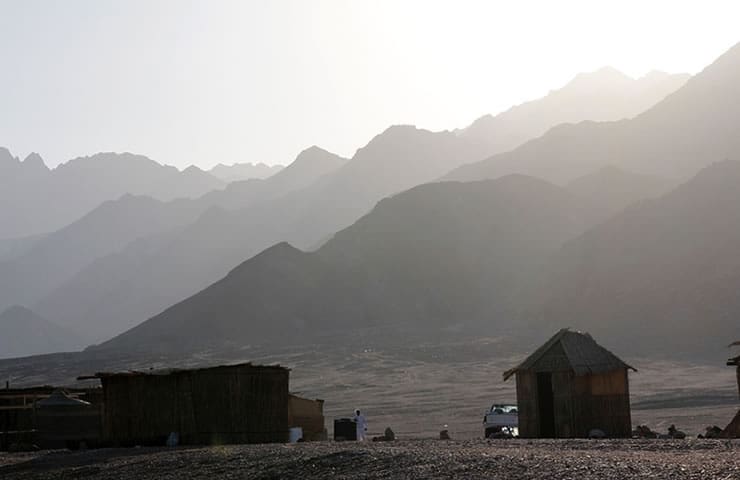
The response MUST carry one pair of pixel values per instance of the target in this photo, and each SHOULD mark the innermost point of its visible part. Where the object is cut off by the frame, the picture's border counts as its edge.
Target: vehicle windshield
(499, 408)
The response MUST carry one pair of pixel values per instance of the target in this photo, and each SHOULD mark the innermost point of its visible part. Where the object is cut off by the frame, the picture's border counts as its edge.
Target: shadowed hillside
(662, 275)
(122, 289)
(610, 189)
(118, 291)
(436, 257)
(501, 254)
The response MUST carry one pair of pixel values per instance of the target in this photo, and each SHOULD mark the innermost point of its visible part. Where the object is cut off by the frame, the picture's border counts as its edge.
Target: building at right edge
(570, 386)
(732, 430)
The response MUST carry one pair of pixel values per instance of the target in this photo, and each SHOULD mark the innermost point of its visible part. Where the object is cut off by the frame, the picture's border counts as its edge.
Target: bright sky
(203, 82)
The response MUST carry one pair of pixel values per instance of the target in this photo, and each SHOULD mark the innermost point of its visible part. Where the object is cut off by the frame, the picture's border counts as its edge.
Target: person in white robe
(361, 423)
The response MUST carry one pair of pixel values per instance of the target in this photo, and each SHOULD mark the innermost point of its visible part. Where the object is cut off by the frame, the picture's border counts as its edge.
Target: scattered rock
(712, 432)
(388, 436)
(643, 431)
(673, 433)
(609, 459)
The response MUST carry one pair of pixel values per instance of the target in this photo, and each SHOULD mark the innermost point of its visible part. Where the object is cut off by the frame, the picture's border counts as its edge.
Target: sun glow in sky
(204, 82)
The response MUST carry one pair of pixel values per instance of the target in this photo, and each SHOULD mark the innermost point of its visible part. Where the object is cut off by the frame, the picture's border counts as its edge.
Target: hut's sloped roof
(175, 371)
(60, 398)
(583, 355)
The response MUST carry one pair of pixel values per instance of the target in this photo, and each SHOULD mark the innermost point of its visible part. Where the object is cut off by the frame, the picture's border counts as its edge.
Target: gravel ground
(412, 459)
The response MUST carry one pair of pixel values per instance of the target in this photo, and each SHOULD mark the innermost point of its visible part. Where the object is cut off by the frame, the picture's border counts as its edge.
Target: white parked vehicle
(501, 421)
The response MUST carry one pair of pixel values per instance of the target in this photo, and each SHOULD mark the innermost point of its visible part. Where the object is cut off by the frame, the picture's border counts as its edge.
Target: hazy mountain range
(696, 125)
(49, 261)
(604, 95)
(25, 333)
(118, 291)
(430, 258)
(244, 171)
(36, 199)
(144, 255)
(428, 268)
(497, 255)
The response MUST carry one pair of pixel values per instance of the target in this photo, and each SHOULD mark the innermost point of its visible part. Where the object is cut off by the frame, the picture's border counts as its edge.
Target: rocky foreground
(412, 459)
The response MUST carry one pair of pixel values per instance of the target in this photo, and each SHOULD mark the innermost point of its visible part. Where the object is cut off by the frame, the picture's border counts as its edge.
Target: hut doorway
(546, 405)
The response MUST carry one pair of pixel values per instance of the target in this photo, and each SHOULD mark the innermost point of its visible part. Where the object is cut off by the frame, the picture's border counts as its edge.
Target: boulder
(674, 433)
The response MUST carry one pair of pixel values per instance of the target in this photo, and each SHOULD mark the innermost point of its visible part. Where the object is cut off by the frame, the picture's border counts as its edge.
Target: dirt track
(413, 459)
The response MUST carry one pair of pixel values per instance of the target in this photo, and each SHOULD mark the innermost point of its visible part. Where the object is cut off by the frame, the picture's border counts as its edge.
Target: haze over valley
(365, 242)
(332, 197)
(114, 283)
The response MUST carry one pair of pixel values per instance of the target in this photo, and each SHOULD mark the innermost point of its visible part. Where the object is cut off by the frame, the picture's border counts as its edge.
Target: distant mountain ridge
(117, 289)
(431, 257)
(690, 129)
(679, 128)
(26, 333)
(603, 95)
(512, 253)
(141, 280)
(39, 268)
(35, 199)
(244, 171)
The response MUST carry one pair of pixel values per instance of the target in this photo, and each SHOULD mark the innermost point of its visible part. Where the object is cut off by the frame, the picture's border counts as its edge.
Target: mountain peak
(401, 127)
(396, 134)
(313, 155)
(244, 171)
(35, 161)
(193, 170)
(400, 130)
(608, 71)
(102, 159)
(6, 158)
(312, 152)
(602, 77)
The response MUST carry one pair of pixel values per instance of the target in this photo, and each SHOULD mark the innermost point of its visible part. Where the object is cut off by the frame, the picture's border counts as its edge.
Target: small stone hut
(241, 403)
(571, 385)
